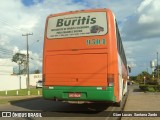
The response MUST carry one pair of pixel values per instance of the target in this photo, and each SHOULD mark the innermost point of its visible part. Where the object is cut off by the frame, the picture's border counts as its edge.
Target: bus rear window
(76, 25)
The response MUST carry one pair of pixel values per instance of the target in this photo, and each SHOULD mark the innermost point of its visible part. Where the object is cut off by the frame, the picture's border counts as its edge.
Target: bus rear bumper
(84, 93)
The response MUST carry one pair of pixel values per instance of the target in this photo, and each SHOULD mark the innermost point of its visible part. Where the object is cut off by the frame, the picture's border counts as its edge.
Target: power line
(5, 49)
(40, 59)
(6, 52)
(7, 65)
(5, 56)
(11, 26)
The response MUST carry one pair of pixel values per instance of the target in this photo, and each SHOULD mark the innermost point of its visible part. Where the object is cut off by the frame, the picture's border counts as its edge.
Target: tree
(144, 75)
(133, 78)
(20, 59)
(155, 72)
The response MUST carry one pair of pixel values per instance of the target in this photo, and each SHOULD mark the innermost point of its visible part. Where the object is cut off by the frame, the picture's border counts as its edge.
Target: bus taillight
(110, 79)
(43, 80)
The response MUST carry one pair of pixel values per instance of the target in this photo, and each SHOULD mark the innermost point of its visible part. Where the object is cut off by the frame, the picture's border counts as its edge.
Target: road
(62, 110)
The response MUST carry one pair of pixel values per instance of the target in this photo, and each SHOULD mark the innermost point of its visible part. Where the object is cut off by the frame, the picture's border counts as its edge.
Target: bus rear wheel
(118, 104)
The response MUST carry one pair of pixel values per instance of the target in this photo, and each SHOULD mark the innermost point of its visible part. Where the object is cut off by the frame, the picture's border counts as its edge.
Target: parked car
(129, 82)
(39, 84)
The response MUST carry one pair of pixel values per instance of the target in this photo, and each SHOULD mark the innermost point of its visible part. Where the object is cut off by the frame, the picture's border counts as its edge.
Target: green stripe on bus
(87, 93)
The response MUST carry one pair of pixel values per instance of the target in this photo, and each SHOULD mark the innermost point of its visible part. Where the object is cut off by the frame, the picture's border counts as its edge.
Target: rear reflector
(104, 88)
(43, 80)
(48, 87)
(101, 88)
(110, 79)
(51, 87)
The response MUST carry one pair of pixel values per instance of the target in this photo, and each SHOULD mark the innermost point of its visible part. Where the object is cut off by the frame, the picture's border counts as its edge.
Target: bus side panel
(113, 56)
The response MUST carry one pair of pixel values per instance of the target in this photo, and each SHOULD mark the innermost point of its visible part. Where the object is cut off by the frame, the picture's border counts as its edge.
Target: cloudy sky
(138, 20)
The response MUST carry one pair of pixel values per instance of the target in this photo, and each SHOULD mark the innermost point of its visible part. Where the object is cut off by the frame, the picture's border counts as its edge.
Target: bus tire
(118, 104)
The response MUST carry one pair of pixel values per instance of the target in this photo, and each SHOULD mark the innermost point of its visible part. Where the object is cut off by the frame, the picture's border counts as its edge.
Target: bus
(84, 58)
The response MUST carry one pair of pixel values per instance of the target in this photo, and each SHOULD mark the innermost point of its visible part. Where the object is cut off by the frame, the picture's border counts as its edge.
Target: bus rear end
(76, 54)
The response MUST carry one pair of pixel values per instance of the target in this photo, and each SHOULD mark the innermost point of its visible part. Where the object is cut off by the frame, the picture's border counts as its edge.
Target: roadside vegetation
(147, 82)
(149, 88)
(22, 92)
(18, 95)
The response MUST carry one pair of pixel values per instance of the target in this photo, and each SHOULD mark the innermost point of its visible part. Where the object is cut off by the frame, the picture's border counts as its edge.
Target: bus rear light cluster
(104, 88)
(110, 79)
(43, 80)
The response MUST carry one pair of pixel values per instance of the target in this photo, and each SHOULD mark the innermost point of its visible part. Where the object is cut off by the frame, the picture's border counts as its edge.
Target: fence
(12, 82)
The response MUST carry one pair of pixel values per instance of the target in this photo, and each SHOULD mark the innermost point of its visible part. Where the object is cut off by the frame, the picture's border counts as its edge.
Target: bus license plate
(74, 95)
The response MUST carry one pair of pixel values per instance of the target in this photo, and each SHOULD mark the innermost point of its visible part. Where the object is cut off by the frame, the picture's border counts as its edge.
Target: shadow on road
(59, 108)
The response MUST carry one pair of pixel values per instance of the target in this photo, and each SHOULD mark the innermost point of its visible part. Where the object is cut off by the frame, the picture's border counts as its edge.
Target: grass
(22, 92)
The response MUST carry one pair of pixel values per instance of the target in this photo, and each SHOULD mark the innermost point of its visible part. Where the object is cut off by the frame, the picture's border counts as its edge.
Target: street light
(144, 80)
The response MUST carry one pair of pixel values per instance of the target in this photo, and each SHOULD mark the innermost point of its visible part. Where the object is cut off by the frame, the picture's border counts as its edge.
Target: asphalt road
(62, 110)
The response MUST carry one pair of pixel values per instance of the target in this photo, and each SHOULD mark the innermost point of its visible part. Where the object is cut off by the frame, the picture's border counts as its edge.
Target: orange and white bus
(83, 58)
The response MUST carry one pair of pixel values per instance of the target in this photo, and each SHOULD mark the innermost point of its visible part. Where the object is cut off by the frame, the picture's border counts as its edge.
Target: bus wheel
(118, 104)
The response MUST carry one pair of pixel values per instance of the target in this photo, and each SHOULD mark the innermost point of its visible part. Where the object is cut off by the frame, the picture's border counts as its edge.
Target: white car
(39, 84)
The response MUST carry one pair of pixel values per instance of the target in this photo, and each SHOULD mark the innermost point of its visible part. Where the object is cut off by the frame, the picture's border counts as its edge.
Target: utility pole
(28, 80)
(157, 68)
(19, 63)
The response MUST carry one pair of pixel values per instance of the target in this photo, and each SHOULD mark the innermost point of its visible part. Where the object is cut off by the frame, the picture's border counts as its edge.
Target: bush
(150, 88)
(158, 88)
(143, 87)
(152, 82)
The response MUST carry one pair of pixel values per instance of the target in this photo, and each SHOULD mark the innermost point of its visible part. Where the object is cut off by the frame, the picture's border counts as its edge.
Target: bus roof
(80, 11)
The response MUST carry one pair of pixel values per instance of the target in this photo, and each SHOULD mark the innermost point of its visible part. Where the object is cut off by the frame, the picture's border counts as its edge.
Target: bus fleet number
(96, 42)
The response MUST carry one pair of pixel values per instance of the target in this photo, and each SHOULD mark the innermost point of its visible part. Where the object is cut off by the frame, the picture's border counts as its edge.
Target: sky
(138, 21)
